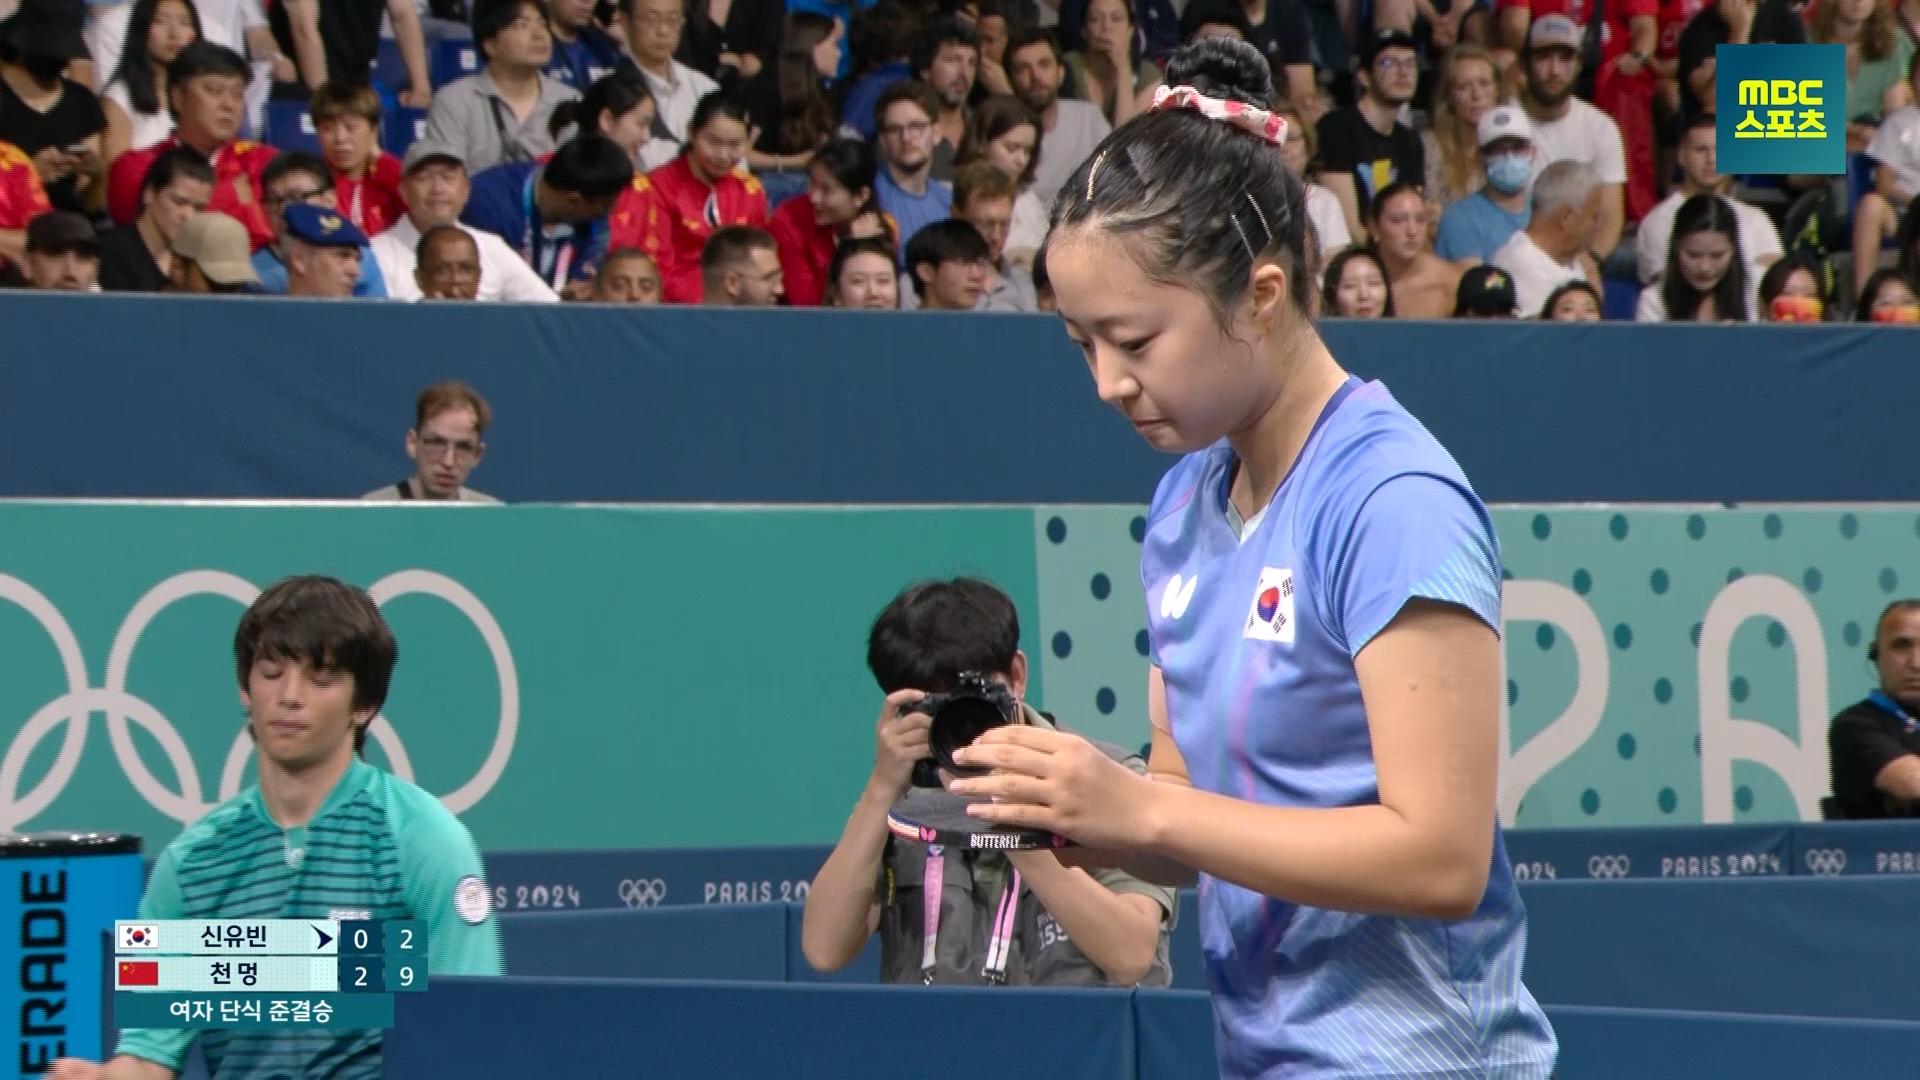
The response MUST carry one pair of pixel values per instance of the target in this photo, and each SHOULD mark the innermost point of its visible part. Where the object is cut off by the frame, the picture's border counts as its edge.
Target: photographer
(1015, 917)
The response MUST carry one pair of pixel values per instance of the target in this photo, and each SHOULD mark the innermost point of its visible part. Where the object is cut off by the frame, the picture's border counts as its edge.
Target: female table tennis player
(1323, 594)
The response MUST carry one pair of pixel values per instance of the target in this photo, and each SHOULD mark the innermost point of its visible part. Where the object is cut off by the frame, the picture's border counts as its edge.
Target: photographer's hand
(843, 909)
(900, 742)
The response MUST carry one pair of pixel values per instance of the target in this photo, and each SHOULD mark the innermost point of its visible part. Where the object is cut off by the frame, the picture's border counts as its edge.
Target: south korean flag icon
(135, 936)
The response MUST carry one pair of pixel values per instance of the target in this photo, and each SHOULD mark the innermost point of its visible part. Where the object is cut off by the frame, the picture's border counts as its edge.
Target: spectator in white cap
(1475, 227)
(434, 182)
(1566, 128)
(212, 253)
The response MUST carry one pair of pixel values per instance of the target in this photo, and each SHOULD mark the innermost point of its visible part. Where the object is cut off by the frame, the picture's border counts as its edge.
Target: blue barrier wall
(127, 396)
(479, 1029)
(1786, 946)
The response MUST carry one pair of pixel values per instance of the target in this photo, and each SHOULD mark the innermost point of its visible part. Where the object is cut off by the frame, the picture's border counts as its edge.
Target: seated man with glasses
(445, 445)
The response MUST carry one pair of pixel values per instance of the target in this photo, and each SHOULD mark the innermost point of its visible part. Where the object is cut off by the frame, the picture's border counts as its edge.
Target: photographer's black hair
(1198, 202)
(1880, 624)
(329, 624)
(935, 630)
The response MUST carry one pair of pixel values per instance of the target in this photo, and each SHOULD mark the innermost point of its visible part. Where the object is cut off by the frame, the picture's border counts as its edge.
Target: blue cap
(322, 227)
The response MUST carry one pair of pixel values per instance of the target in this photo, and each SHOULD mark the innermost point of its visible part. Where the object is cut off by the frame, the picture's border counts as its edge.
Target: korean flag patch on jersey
(1271, 616)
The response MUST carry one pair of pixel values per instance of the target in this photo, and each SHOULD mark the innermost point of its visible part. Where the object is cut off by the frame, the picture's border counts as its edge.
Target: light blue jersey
(1256, 641)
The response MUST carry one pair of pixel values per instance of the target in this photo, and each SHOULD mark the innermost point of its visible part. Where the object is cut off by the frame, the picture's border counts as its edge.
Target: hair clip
(1093, 172)
(1259, 122)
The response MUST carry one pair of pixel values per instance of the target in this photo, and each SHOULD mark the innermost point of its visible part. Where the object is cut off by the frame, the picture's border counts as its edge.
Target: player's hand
(75, 1069)
(1059, 782)
(899, 743)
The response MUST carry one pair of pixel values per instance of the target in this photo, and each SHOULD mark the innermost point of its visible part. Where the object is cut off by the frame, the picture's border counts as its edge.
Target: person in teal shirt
(323, 835)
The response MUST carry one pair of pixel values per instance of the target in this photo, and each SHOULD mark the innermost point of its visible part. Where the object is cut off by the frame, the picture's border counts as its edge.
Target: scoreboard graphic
(284, 974)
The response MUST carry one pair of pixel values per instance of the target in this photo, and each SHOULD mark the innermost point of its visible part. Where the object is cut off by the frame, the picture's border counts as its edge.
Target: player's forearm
(838, 917)
(128, 1067)
(1116, 932)
(1362, 858)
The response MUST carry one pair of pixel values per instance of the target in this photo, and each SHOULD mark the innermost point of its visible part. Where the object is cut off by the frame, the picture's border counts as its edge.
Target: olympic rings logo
(1827, 862)
(120, 707)
(642, 892)
(1609, 866)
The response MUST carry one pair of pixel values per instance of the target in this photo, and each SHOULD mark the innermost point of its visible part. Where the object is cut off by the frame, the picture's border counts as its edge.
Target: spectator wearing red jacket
(207, 88)
(701, 192)
(839, 206)
(22, 198)
(365, 177)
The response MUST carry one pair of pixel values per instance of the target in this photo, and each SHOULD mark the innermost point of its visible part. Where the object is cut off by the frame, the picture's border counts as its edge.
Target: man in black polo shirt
(1874, 746)
(337, 41)
(1364, 147)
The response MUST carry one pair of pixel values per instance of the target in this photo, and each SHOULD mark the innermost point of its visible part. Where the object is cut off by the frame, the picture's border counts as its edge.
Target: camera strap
(999, 945)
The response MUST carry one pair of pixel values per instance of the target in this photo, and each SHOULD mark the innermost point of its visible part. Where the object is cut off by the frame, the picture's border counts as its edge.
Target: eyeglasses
(1397, 63)
(436, 446)
(916, 127)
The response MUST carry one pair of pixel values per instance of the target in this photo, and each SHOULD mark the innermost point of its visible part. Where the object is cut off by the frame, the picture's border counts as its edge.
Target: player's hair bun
(1223, 67)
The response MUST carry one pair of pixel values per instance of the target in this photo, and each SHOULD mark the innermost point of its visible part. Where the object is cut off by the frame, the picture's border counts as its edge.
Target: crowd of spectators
(1484, 159)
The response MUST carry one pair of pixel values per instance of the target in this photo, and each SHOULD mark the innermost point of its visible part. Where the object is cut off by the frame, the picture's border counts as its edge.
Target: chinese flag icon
(139, 973)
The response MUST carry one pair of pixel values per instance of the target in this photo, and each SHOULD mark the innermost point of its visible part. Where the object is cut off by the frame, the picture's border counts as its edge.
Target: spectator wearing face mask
(1705, 279)
(1554, 248)
(1792, 291)
(1887, 297)
(1475, 227)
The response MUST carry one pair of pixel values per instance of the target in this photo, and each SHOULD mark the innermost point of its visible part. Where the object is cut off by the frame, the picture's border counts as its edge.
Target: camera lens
(962, 720)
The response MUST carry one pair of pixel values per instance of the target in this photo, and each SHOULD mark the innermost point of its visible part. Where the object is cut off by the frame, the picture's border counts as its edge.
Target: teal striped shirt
(379, 848)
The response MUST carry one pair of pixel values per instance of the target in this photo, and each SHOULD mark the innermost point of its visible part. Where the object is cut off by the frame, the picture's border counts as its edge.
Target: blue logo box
(1781, 109)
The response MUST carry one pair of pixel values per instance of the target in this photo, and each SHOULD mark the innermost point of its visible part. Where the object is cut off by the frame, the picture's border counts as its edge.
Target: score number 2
(406, 968)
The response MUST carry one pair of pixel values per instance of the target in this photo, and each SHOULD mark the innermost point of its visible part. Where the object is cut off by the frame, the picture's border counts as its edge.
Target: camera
(975, 706)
